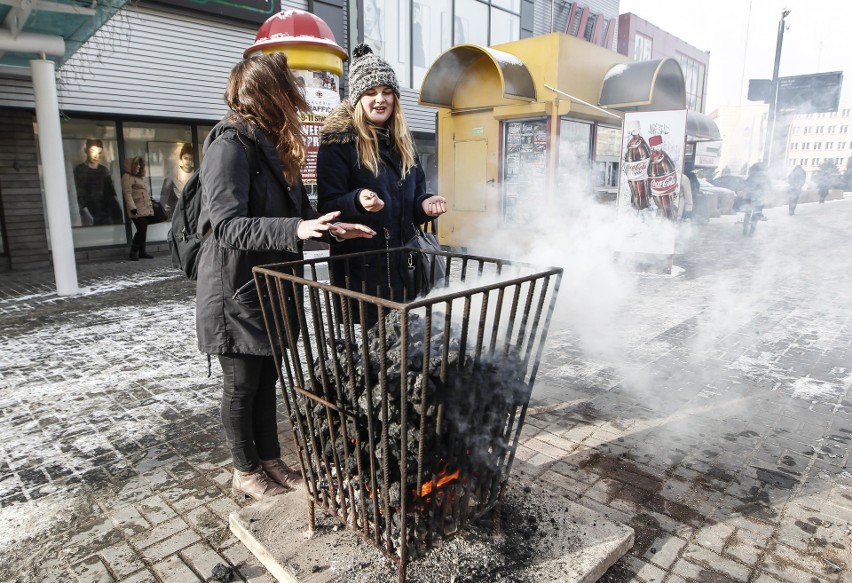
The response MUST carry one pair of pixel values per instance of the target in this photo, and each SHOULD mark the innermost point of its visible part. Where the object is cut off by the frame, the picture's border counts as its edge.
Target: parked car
(733, 182)
(717, 199)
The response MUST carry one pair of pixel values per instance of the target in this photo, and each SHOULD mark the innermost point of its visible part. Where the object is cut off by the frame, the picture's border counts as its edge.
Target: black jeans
(248, 409)
(141, 233)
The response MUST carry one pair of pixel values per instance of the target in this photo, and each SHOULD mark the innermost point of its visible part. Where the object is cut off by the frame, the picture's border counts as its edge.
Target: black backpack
(184, 239)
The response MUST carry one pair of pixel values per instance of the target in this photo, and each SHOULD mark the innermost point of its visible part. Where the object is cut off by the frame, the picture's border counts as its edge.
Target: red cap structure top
(655, 140)
(298, 27)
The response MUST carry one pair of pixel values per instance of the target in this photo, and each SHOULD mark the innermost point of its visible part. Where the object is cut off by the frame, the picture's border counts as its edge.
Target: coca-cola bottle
(636, 168)
(662, 177)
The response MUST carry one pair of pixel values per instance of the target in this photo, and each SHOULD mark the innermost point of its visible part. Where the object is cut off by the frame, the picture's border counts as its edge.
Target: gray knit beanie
(368, 70)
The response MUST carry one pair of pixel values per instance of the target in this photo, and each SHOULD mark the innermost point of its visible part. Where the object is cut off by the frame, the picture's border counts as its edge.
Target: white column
(53, 177)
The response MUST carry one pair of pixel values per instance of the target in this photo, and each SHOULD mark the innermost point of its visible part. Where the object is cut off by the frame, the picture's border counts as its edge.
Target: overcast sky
(741, 37)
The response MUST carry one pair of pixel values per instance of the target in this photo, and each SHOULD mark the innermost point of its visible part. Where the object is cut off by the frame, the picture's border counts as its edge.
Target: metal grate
(406, 414)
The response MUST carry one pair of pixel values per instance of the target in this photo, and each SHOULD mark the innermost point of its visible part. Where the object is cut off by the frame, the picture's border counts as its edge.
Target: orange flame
(442, 480)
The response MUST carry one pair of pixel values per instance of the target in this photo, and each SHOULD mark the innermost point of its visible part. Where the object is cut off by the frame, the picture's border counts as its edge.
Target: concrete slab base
(543, 539)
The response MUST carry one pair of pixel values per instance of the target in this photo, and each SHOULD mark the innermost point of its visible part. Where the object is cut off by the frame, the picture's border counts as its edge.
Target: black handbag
(425, 269)
(159, 214)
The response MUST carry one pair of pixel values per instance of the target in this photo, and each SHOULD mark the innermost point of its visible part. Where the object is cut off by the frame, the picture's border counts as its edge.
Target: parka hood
(339, 127)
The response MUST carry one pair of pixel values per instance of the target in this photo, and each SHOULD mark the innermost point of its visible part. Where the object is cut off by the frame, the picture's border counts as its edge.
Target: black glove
(134, 212)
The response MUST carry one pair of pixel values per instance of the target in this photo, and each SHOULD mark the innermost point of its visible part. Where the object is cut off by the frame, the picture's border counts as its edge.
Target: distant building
(816, 138)
(743, 129)
(642, 41)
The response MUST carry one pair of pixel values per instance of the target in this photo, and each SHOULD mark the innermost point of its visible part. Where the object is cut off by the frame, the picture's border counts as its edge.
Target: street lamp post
(773, 96)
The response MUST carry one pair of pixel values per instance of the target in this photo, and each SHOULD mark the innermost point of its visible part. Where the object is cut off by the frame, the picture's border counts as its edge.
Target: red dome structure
(295, 27)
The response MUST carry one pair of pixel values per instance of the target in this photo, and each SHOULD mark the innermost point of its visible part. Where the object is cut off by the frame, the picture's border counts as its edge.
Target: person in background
(757, 187)
(368, 170)
(257, 212)
(137, 200)
(824, 178)
(796, 181)
(96, 194)
(173, 185)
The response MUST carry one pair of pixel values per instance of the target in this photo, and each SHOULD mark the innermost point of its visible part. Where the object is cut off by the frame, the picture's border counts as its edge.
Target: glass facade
(411, 34)
(693, 78)
(169, 156)
(93, 175)
(607, 159)
(643, 47)
(97, 152)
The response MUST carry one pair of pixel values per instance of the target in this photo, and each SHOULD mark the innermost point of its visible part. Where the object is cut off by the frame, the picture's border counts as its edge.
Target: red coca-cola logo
(636, 170)
(663, 185)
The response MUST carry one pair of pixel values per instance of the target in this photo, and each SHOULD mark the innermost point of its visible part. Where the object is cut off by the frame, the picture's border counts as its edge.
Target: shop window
(505, 27)
(93, 176)
(169, 157)
(387, 29)
(642, 47)
(431, 34)
(524, 170)
(575, 149)
(607, 159)
(468, 25)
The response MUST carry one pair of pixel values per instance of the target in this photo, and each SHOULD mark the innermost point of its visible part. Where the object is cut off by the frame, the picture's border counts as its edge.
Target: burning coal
(429, 446)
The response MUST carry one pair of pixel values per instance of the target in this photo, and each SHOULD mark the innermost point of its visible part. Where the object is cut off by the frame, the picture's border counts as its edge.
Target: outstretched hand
(435, 206)
(314, 228)
(370, 201)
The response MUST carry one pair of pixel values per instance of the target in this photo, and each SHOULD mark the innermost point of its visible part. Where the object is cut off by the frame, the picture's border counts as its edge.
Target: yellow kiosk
(521, 120)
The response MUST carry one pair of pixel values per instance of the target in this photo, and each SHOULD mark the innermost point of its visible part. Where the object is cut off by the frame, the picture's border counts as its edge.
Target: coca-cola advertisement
(652, 151)
(650, 204)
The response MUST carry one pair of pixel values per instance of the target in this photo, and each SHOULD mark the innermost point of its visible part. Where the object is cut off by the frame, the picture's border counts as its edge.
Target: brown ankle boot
(278, 471)
(256, 485)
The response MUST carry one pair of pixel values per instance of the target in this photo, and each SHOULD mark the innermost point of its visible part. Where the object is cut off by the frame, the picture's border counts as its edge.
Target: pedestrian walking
(256, 212)
(368, 170)
(140, 206)
(795, 181)
(825, 176)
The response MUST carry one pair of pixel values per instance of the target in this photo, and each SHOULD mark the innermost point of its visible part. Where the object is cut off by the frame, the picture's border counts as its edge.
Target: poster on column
(649, 196)
(320, 89)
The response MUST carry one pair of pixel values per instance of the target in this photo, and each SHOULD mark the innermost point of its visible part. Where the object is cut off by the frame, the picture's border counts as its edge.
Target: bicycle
(751, 215)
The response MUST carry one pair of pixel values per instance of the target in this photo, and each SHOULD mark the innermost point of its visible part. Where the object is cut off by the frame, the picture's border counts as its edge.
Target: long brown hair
(367, 140)
(264, 92)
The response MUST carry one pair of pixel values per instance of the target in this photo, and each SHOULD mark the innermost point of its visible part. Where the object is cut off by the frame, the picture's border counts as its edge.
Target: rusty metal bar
(343, 405)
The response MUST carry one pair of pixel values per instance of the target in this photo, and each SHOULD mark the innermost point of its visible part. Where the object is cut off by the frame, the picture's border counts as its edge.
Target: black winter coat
(254, 215)
(340, 179)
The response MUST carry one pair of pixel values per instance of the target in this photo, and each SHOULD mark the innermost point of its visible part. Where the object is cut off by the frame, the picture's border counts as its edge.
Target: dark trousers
(248, 409)
(141, 235)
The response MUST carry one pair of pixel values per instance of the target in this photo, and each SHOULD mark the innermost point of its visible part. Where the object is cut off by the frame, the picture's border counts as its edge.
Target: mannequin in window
(173, 186)
(95, 192)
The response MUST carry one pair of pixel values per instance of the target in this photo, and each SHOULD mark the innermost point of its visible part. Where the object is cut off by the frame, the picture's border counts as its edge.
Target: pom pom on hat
(368, 70)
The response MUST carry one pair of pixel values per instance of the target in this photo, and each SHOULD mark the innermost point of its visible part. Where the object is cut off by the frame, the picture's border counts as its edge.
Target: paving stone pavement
(709, 411)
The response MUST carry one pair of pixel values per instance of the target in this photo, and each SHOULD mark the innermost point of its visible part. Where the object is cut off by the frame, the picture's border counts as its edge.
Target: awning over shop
(700, 128)
(53, 28)
(644, 86)
(445, 73)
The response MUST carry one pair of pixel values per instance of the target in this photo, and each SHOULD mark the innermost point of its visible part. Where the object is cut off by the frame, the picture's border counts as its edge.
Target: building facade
(817, 138)
(642, 41)
(150, 83)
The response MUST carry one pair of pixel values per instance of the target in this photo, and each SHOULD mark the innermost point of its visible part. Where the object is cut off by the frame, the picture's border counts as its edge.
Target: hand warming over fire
(370, 201)
(435, 206)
